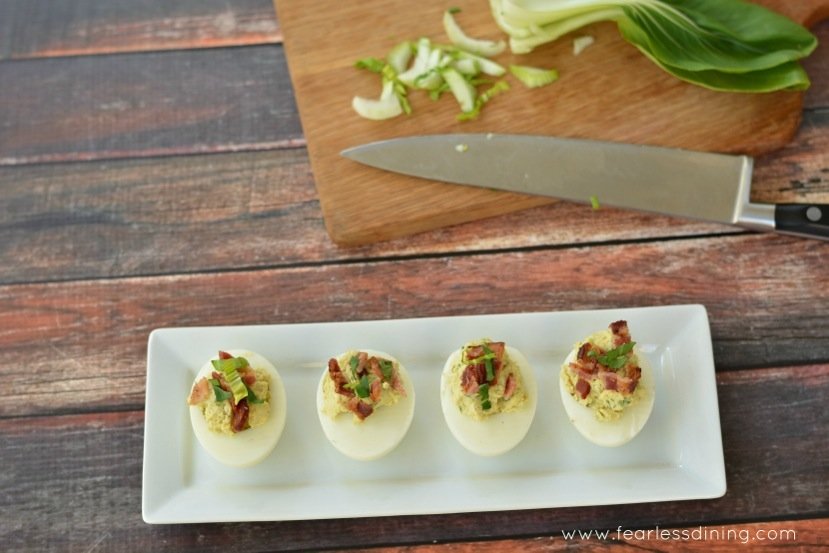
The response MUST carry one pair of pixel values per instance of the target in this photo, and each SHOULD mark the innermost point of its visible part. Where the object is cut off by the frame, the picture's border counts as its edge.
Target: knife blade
(683, 183)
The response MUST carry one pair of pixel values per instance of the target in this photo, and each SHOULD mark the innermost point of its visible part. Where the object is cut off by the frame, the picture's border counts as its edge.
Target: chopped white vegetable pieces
(386, 107)
(463, 92)
(461, 68)
(580, 43)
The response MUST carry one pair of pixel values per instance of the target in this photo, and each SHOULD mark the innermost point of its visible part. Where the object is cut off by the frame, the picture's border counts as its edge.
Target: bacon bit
(583, 388)
(397, 384)
(621, 383)
(222, 382)
(374, 368)
(621, 333)
(509, 386)
(360, 408)
(200, 392)
(248, 376)
(362, 361)
(587, 367)
(339, 379)
(239, 418)
(473, 376)
(473, 353)
(375, 390)
(225, 355)
(497, 348)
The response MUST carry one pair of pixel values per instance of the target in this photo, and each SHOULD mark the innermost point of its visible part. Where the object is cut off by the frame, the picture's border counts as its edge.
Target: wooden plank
(260, 209)
(767, 298)
(780, 536)
(817, 67)
(202, 213)
(609, 92)
(86, 492)
(146, 105)
(50, 28)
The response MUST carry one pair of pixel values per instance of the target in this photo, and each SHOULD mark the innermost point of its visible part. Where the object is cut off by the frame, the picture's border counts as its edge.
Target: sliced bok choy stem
(582, 42)
(461, 89)
(461, 40)
(386, 107)
(533, 77)
(399, 56)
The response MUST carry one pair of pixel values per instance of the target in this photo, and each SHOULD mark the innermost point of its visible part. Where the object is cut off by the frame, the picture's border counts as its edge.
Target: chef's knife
(697, 185)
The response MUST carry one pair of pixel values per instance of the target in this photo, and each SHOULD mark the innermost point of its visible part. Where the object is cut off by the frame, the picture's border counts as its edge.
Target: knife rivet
(814, 214)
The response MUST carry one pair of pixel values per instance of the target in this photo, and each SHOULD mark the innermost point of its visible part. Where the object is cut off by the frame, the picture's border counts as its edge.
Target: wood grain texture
(51, 28)
(154, 104)
(803, 535)
(609, 92)
(230, 211)
(114, 106)
(86, 493)
(767, 298)
(216, 212)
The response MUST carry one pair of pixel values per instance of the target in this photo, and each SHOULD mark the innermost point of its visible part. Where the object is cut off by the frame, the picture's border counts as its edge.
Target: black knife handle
(809, 220)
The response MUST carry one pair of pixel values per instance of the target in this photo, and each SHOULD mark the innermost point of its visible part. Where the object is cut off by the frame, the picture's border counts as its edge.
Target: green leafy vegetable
(483, 393)
(490, 371)
(615, 358)
(594, 201)
(253, 398)
(361, 386)
(729, 45)
(387, 368)
(221, 395)
(227, 365)
(229, 368)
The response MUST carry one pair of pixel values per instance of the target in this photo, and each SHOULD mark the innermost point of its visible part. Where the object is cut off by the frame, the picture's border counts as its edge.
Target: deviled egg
(238, 407)
(488, 396)
(365, 403)
(607, 387)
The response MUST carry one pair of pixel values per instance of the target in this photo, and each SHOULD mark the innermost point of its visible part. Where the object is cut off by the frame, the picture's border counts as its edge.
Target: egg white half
(623, 429)
(380, 432)
(496, 434)
(250, 446)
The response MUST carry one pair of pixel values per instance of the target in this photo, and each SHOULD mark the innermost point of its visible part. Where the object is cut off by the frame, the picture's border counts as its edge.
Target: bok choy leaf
(729, 45)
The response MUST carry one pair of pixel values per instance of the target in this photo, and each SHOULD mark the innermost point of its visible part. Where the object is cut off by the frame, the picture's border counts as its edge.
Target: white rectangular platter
(678, 455)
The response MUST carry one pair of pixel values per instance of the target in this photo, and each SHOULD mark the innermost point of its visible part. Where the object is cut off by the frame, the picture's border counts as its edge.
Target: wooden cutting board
(610, 91)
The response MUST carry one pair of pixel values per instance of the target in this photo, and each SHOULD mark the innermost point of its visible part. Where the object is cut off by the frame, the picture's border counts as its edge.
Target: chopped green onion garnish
(490, 371)
(594, 201)
(483, 393)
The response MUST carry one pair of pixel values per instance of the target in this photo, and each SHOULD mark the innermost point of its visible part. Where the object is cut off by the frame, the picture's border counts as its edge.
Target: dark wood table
(153, 173)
